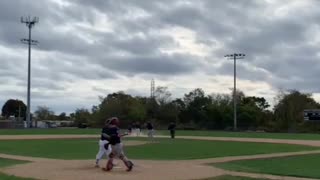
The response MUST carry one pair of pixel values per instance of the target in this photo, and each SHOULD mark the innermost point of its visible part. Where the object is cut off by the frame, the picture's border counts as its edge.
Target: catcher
(116, 146)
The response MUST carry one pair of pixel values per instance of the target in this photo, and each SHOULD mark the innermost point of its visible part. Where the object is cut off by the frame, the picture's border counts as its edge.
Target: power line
(29, 23)
(234, 57)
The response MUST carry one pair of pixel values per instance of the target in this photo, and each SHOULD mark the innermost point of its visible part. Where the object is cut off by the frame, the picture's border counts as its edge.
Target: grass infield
(228, 177)
(10, 162)
(164, 149)
(299, 166)
(164, 132)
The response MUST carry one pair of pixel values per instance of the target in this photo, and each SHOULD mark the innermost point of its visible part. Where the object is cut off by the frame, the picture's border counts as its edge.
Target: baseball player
(172, 129)
(102, 142)
(116, 146)
(150, 130)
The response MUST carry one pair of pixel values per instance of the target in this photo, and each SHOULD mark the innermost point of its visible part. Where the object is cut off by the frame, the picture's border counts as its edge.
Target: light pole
(234, 57)
(29, 23)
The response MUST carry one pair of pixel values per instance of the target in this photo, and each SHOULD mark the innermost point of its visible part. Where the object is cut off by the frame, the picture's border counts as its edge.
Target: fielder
(102, 142)
(150, 130)
(116, 146)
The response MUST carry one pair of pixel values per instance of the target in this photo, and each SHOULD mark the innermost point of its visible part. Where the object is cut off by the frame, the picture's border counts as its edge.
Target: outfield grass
(228, 177)
(10, 162)
(164, 132)
(165, 149)
(52, 131)
(299, 166)
(246, 134)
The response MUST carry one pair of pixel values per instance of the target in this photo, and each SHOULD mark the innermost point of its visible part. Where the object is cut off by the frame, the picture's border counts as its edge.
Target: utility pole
(234, 57)
(152, 89)
(29, 23)
(152, 99)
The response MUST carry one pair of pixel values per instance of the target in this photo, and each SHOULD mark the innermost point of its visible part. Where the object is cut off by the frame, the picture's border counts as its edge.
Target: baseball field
(69, 154)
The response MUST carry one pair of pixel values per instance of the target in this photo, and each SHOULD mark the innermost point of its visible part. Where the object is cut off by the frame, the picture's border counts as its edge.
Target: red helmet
(114, 121)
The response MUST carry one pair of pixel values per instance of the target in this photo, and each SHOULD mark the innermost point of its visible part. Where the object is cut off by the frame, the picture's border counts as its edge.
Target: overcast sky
(89, 48)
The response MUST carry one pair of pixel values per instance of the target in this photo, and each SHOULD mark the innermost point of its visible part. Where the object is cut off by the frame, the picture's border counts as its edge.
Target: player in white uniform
(102, 142)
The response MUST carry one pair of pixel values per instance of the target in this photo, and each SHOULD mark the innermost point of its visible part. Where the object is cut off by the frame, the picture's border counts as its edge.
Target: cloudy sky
(89, 48)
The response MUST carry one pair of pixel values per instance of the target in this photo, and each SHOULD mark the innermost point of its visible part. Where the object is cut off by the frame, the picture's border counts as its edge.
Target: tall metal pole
(234, 93)
(234, 57)
(29, 75)
(30, 23)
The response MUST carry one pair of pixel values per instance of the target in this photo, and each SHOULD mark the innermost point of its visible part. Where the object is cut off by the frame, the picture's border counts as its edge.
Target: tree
(289, 109)
(115, 104)
(137, 110)
(82, 116)
(196, 93)
(14, 107)
(62, 116)
(196, 104)
(162, 95)
(220, 114)
(167, 113)
(259, 102)
(44, 113)
(252, 112)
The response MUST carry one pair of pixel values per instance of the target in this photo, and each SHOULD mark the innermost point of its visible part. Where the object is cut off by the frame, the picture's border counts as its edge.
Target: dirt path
(51, 169)
(280, 141)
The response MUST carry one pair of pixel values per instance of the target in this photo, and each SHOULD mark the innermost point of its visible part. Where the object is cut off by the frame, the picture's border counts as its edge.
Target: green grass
(166, 149)
(299, 166)
(164, 132)
(227, 177)
(9, 162)
(9, 177)
(48, 131)
(246, 134)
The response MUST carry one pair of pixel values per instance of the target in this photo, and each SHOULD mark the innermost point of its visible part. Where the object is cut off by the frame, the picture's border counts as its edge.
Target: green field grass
(165, 149)
(48, 131)
(10, 162)
(164, 132)
(246, 134)
(299, 166)
(227, 177)
(8, 177)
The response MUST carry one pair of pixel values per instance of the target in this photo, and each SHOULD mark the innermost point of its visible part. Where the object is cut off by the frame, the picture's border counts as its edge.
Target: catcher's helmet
(114, 121)
(107, 122)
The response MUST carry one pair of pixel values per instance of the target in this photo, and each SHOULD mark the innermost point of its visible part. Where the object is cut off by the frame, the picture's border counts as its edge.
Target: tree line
(195, 110)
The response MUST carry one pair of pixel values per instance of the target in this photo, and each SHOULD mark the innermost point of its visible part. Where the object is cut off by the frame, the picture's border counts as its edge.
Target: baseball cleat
(106, 169)
(129, 165)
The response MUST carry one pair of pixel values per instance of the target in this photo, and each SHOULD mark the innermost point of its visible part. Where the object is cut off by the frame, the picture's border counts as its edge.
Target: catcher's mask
(114, 121)
(107, 122)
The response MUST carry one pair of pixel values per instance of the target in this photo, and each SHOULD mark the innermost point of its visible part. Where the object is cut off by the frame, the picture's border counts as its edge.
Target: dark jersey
(172, 127)
(149, 126)
(113, 132)
(105, 131)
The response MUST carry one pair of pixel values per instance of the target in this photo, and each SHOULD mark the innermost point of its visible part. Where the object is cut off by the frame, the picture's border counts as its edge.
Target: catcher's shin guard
(129, 165)
(109, 165)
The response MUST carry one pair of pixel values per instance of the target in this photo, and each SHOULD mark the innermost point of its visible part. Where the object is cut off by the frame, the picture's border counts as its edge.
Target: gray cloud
(165, 65)
(281, 45)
